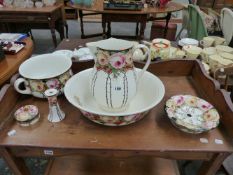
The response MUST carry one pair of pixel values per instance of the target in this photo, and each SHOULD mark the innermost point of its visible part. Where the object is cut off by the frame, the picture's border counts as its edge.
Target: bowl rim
(26, 63)
(123, 113)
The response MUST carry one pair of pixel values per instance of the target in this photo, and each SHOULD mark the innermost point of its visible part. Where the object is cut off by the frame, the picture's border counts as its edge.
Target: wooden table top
(153, 134)
(46, 9)
(98, 7)
(10, 64)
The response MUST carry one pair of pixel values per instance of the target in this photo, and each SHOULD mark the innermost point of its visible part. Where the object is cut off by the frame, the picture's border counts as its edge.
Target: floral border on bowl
(114, 120)
(38, 87)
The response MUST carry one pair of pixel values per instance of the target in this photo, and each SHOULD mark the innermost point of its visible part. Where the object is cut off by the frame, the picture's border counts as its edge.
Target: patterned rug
(36, 166)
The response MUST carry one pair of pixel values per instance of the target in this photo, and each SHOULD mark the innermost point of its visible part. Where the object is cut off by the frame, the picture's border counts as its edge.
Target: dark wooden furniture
(225, 77)
(83, 14)
(153, 136)
(89, 165)
(140, 16)
(35, 18)
(70, 13)
(10, 64)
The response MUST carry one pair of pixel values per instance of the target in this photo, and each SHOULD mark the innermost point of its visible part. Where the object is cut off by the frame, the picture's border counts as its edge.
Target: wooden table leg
(61, 29)
(104, 26)
(109, 30)
(52, 29)
(137, 26)
(80, 12)
(212, 166)
(142, 29)
(168, 17)
(17, 165)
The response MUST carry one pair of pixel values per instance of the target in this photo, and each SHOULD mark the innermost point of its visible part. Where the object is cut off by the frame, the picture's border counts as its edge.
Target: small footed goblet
(55, 113)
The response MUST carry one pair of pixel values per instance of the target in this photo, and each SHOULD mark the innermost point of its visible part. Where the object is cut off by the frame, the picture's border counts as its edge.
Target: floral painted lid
(26, 113)
(191, 114)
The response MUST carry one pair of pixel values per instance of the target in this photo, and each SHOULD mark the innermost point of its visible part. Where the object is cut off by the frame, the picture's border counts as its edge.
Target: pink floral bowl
(191, 114)
(42, 72)
(78, 94)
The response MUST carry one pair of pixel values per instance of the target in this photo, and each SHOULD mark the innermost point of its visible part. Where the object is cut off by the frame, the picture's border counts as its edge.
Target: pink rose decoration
(53, 83)
(179, 100)
(103, 58)
(117, 60)
(204, 105)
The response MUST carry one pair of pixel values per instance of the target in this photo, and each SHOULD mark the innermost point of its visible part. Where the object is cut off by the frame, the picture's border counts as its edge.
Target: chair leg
(30, 34)
(67, 28)
(137, 29)
(178, 35)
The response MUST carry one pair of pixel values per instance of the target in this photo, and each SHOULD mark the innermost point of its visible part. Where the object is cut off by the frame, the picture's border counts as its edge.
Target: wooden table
(140, 16)
(35, 18)
(152, 136)
(10, 64)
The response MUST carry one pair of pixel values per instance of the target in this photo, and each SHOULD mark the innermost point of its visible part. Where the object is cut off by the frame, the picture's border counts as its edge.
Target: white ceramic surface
(227, 56)
(192, 114)
(113, 81)
(49, 2)
(39, 4)
(192, 52)
(218, 40)
(109, 44)
(188, 41)
(44, 66)
(222, 48)
(160, 48)
(206, 52)
(150, 92)
(42, 72)
(207, 41)
(82, 54)
(67, 53)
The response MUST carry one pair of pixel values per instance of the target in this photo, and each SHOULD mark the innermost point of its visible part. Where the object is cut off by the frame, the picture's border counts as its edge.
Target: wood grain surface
(154, 135)
(46, 9)
(9, 66)
(104, 166)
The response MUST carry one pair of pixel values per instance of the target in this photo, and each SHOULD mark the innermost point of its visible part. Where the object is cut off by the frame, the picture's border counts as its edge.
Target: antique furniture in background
(82, 14)
(10, 64)
(152, 136)
(70, 13)
(196, 25)
(50, 17)
(137, 16)
(215, 4)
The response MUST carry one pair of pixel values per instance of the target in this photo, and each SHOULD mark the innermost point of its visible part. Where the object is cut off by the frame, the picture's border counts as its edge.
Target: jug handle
(140, 46)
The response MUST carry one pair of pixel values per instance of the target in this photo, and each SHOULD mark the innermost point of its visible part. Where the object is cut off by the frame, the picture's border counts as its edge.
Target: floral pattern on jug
(112, 62)
(114, 120)
(113, 81)
(38, 87)
(191, 114)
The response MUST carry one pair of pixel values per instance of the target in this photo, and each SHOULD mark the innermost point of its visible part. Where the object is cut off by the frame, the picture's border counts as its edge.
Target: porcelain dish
(191, 114)
(27, 115)
(43, 72)
(67, 53)
(81, 97)
(188, 41)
